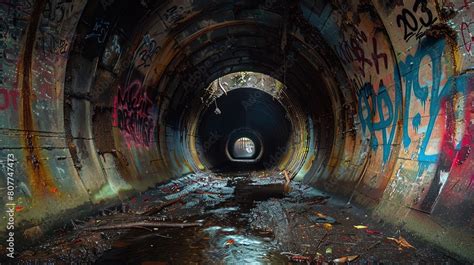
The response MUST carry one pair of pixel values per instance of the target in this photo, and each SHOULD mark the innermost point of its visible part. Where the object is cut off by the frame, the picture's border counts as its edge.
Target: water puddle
(225, 238)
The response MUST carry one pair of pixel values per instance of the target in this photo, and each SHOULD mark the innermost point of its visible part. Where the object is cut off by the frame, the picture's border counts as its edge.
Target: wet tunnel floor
(233, 220)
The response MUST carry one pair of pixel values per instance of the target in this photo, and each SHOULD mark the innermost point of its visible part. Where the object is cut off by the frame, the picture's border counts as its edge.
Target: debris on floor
(228, 219)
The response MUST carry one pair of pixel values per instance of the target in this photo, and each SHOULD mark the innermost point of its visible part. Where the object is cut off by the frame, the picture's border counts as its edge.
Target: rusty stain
(38, 173)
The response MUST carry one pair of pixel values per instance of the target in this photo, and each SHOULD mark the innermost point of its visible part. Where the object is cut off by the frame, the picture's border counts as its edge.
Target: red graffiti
(467, 37)
(133, 114)
(460, 182)
(8, 99)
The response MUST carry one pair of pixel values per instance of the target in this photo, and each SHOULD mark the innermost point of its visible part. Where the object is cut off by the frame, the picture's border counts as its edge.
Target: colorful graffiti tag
(133, 114)
(431, 94)
(387, 123)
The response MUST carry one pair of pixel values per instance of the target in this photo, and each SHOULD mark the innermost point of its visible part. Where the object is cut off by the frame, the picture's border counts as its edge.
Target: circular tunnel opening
(243, 148)
(244, 145)
(249, 127)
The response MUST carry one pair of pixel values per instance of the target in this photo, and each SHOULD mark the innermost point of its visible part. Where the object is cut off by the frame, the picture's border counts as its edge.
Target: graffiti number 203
(413, 25)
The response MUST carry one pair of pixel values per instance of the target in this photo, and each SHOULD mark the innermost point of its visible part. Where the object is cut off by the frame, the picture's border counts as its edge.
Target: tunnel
(368, 102)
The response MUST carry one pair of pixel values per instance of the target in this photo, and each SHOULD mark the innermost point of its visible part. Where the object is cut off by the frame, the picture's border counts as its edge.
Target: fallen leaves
(373, 232)
(327, 226)
(328, 250)
(402, 242)
(345, 259)
(300, 258)
(360, 227)
(322, 218)
(229, 242)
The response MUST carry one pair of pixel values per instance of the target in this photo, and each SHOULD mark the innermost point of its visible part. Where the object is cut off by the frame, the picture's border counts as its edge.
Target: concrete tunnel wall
(97, 101)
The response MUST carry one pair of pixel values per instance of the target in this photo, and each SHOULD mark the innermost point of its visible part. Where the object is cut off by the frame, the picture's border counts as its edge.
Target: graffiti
(14, 17)
(174, 14)
(352, 51)
(50, 44)
(100, 30)
(411, 66)
(467, 37)
(413, 25)
(147, 49)
(56, 10)
(112, 52)
(106, 3)
(132, 114)
(115, 44)
(372, 103)
(8, 99)
(379, 106)
(8, 54)
(13, 21)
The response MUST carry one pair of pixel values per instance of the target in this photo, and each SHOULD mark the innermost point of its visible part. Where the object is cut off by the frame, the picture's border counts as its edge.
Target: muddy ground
(233, 219)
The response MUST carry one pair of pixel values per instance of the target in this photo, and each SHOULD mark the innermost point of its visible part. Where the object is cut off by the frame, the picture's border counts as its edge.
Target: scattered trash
(229, 242)
(345, 259)
(299, 258)
(296, 257)
(322, 218)
(327, 226)
(328, 250)
(402, 243)
(318, 200)
(141, 225)
(253, 220)
(373, 232)
(156, 209)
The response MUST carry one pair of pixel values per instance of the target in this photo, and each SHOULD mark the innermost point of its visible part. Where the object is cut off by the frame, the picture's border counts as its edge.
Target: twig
(145, 228)
(163, 236)
(160, 207)
(371, 247)
(289, 253)
(321, 240)
(142, 225)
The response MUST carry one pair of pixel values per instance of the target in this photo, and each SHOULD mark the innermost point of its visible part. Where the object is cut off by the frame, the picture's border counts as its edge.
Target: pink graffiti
(133, 114)
(8, 99)
(467, 37)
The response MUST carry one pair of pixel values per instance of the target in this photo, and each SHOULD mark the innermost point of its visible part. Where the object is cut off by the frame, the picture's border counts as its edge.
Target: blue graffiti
(372, 103)
(434, 50)
(416, 122)
(387, 122)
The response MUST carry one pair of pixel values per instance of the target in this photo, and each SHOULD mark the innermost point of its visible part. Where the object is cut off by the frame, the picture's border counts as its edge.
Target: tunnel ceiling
(103, 99)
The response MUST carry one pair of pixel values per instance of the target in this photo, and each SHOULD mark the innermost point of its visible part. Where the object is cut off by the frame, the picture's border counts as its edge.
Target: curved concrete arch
(98, 101)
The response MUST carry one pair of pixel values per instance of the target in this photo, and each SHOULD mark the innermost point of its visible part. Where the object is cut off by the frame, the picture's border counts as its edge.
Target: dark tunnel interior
(244, 112)
(237, 131)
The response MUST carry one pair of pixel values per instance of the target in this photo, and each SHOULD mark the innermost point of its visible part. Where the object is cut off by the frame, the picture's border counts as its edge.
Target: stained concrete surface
(244, 219)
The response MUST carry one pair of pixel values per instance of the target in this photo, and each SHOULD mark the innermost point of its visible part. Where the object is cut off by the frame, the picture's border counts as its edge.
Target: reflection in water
(228, 238)
(234, 248)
